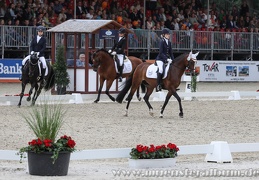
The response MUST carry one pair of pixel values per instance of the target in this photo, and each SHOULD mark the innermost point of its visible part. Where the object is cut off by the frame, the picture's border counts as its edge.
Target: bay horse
(31, 74)
(170, 82)
(103, 62)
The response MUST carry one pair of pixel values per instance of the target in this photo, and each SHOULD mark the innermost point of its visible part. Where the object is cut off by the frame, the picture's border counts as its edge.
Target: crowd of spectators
(173, 14)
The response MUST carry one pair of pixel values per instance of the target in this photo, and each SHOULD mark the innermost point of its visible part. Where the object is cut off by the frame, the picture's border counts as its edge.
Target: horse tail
(51, 79)
(143, 87)
(124, 91)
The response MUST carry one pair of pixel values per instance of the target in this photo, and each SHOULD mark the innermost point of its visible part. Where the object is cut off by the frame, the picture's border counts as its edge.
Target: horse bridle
(34, 65)
(188, 65)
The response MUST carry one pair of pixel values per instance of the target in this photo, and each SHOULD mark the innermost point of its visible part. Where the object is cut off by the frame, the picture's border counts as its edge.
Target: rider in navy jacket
(119, 49)
(38, 44)
(165, 55)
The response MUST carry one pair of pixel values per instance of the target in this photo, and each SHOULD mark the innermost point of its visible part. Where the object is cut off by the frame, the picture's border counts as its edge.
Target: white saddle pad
(152, 71)
(127, 66)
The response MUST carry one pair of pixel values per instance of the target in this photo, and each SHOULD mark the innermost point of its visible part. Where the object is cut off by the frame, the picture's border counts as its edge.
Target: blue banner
(10, 68)
(108, 34)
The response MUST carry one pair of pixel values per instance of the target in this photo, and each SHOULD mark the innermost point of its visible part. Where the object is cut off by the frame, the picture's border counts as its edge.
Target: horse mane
(102, 50)
(179, 57)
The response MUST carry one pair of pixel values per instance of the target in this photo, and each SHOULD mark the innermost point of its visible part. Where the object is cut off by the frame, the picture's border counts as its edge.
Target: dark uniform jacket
(120, 46)
(165, 51)
(40, 46)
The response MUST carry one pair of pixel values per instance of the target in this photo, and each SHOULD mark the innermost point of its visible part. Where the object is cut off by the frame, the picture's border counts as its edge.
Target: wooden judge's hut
(82, 38)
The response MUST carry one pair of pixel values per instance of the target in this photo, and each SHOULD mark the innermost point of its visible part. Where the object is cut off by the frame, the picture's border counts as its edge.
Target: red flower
(139, 148)
(71, 143)
(48, 142)
(172, 146)
(152, 149)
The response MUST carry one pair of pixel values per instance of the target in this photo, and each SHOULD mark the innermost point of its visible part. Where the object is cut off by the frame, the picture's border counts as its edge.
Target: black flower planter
(42, 164)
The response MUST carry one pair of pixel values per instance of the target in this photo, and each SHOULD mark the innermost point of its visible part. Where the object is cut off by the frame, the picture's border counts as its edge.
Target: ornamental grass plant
(45, 121)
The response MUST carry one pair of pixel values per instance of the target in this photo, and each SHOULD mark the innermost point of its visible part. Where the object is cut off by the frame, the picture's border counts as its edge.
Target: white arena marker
(78, 98)
(221, 153)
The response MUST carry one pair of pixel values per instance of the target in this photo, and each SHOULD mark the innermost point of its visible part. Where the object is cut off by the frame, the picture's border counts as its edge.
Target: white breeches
(42, 59)
(120, 57)
(160, 65)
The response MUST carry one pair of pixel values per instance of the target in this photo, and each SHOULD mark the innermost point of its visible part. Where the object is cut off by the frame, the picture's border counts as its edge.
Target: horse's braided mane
(179, 57)
(102, 50)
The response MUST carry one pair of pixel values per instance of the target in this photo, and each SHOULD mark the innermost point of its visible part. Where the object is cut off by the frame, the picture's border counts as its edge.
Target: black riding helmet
(122, 30)
(40, 28)
(165, 31)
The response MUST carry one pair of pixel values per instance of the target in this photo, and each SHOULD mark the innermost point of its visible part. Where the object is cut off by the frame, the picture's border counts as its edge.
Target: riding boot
(120, 73)
(159, 78)
(42, 77)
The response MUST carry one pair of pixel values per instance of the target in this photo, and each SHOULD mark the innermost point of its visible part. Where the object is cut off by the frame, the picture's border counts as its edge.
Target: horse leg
(168, 96)
(146, 98)
(21, 94)
(99, 90)
(108, 86)
(180, 104)
(129, 98)
(34, 95)
(30, 92)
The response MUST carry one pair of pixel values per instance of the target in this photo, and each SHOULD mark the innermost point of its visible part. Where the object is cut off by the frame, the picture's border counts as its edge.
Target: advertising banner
(10, 69)
(214, 71)
(229, 71)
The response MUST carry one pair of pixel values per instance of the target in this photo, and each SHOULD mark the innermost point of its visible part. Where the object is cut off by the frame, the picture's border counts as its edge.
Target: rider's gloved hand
(113, 53)
(109, 51)
(169, 60)
(32, 52)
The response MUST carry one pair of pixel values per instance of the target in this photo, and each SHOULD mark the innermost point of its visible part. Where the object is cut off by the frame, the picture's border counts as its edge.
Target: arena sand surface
(102, 125)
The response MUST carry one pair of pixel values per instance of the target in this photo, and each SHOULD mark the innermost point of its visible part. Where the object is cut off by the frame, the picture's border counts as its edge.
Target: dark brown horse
(170, 83)
(104, 63)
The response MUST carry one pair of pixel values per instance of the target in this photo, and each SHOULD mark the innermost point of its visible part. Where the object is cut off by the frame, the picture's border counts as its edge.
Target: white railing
(216, 151)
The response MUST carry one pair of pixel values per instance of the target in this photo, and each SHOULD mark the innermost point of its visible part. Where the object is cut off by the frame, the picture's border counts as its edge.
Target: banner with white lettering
(218, 71)
(10, 68)
(228, 70)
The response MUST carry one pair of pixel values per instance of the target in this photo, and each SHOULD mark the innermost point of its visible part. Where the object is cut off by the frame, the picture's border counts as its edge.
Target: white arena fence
(216, 151)
(77, 98)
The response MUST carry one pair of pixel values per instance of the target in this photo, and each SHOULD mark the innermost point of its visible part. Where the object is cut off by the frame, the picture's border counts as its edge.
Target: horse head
(33, 63)
(98, 58)
(191, 62)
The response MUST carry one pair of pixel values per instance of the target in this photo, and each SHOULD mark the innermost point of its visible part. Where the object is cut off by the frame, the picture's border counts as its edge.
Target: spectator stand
(75, 35)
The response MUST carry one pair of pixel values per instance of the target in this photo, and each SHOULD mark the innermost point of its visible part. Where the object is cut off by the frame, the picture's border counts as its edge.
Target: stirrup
(158, 88)
(44, 82)
(120, 79)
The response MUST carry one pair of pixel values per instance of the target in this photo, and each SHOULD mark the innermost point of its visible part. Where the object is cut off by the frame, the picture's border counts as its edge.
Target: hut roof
(86, 26)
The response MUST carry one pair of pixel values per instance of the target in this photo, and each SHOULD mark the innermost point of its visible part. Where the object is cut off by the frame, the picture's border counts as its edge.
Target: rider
(165, 55)
(118, 49)
(38, 44)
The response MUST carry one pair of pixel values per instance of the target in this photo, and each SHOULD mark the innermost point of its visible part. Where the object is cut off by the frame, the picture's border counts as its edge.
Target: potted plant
(194, 79)
(153, 156)
(47, 157)
(60, 67)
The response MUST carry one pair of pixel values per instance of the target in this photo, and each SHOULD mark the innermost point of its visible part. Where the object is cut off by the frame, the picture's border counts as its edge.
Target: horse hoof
(161, 116)
(181, 115)
(139, 99)
(28, 98)
(96, 101)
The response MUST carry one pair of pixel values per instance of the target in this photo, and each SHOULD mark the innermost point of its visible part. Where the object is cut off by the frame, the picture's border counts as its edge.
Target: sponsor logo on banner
(10, 68)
